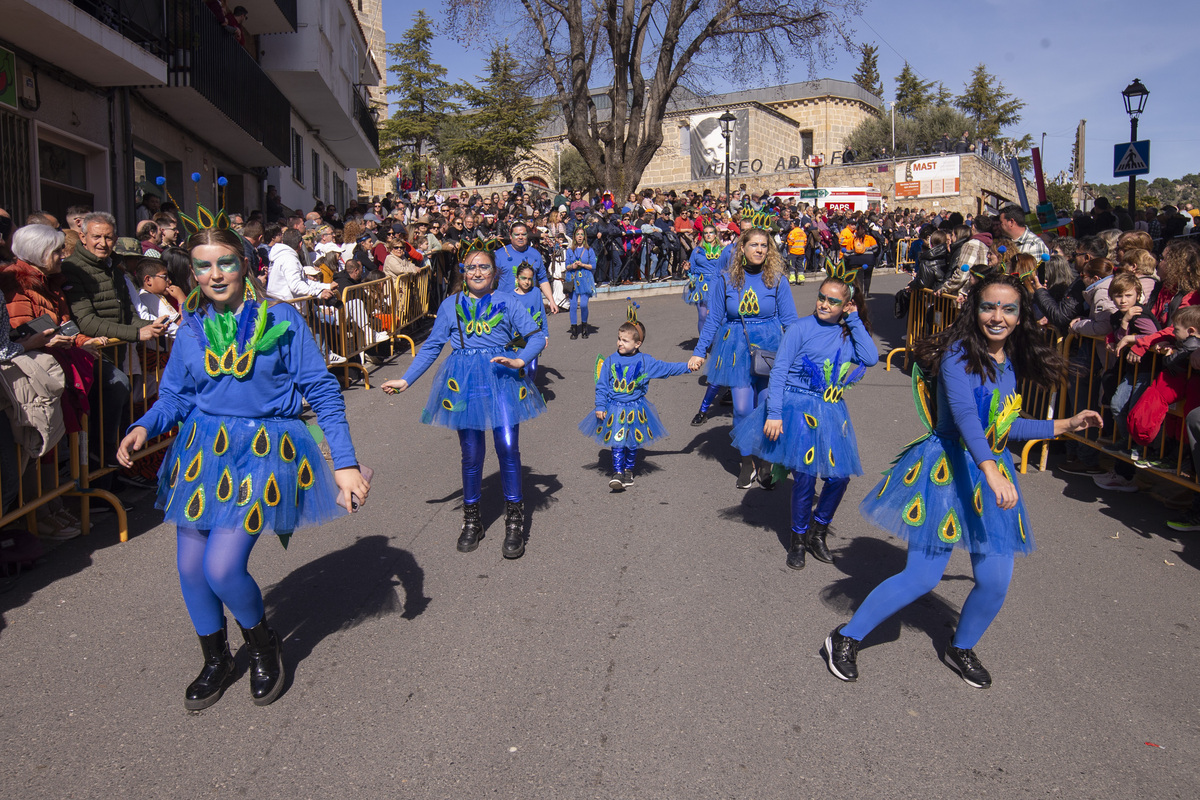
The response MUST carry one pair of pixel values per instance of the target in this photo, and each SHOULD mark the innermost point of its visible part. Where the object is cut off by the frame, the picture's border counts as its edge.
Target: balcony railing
(366, 121)
(207, 59)
(139, 21)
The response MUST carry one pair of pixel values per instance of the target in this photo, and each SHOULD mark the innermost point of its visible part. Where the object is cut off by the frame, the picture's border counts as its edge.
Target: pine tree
(987, 103)
(868, 71)
(423, 98)
(943, 98)
(912, 93)
(501, 130)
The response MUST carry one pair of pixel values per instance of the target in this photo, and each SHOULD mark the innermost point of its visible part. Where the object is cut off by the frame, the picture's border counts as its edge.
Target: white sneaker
(1115, 483)
(382, 336)
(50, 528)
(334, 358)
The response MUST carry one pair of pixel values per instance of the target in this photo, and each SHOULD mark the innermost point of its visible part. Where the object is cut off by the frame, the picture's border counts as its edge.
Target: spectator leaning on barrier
(98, 295)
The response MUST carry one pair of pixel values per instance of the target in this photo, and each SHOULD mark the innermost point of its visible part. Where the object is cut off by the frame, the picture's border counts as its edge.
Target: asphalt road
(650, 644)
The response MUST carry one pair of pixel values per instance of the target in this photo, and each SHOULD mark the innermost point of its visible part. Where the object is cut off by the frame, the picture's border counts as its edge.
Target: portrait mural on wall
(707, 142)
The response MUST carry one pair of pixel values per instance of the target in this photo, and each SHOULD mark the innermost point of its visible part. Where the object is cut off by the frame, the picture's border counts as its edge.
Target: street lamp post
(1135, 95)
(727, 121)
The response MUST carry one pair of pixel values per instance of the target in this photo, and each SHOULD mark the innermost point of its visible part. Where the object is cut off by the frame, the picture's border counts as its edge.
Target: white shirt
(285, 280)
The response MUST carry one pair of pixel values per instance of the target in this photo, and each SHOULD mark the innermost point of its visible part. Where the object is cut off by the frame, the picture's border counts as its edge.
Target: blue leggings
(582, 301)
(508, 450)
(701, 316)
(747, 398)
(624, 459)
(212, 573)
(803, 488)
(920, 576)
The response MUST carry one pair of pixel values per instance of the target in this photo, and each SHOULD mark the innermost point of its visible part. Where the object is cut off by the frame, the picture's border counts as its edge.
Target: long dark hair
(1028, 349)
(854, 293)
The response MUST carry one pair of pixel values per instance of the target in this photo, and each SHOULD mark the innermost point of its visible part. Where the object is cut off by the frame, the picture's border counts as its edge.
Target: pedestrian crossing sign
(1131, 158)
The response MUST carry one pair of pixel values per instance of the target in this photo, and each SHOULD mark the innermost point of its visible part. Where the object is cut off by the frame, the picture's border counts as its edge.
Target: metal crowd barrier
(903, 262)
(1091, 389)
(47, 481)
(928, 313)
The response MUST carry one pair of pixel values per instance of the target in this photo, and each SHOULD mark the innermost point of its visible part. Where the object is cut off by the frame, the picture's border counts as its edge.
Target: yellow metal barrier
(928, 313)
(903, 261)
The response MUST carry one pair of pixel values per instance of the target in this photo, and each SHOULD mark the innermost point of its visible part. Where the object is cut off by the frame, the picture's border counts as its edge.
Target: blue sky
(1067, 60)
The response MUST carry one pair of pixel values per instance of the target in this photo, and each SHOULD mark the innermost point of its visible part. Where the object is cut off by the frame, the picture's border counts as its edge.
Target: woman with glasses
(482, 386)
(804, 425)
(955, 487)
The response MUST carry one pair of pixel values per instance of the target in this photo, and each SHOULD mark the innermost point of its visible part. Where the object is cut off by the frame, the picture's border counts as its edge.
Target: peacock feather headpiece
(478, 245)
(761, 220)
(841, 271)
(631, 310)
(203, 219)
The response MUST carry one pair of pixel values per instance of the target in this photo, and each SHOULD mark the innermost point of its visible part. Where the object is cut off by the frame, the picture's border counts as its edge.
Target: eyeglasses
(164, 276)
(477, 269)
(833, 301)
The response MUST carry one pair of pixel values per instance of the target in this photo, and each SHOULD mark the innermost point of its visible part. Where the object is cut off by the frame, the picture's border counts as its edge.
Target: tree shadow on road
(318, 599)
(867, 562)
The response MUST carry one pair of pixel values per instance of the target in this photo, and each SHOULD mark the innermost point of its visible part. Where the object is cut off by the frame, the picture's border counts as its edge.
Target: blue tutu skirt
(696, 291)
(471, 393)
(817, 438)
(260, 475)
(585, 281)
(624, 425)
(935, 497)
(729, 361)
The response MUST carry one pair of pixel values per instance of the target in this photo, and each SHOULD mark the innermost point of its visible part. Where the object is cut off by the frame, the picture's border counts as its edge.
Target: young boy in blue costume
(804, 425)
(751, 303)
(624, 419)
(955, 487)
(482, 387)
(243, 463)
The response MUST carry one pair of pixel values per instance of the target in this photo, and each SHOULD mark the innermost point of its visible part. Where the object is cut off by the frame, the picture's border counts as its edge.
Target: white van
(843, 199)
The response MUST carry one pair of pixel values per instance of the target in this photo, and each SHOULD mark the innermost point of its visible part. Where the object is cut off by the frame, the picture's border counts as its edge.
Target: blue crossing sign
(1131, 158)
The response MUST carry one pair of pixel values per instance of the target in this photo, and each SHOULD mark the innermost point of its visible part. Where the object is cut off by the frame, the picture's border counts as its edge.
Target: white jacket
(285, 280)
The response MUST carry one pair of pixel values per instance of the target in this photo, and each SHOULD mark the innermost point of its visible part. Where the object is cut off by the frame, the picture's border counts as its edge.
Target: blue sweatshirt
(626, 379)
(294, 370)
(508, 258)
(504, 316)
(533, 301)
(777, 302)
(806, 346)
(962, 398)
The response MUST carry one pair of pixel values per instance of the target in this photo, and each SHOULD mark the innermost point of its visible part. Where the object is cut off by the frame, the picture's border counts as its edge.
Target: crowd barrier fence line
(902, 259)
(930, 313)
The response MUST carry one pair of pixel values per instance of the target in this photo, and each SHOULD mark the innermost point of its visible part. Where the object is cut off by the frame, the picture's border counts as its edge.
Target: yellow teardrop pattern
(245, 491)
(287, 450)
(913, 473)
(811, 420)
(195, 506)
(950, 530)
(221, 442)
(193, 470)
(305, 476)
(262, 442)
(225, 486)
(978, 498)
(914, 512)
(191, 437)
(941, 472)
(254, 520)
(271, 493)
(174, 474)
(886, 480)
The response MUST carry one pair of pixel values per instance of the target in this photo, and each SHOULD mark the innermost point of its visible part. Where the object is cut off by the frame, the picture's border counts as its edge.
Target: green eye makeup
(230, 265)
(1008, 309)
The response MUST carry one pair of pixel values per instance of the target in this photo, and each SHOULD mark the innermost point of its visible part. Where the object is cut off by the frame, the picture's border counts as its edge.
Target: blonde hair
(772, 271)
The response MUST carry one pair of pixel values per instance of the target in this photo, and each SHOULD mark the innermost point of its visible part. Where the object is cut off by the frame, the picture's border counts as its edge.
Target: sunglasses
(833, 301)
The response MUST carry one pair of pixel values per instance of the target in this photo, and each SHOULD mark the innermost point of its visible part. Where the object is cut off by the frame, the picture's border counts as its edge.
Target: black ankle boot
(266, 663)
(585, 330)
(215, 676)
(514, 523)
(795, 557)
(574, 331)
(815, 541)
(472, 528)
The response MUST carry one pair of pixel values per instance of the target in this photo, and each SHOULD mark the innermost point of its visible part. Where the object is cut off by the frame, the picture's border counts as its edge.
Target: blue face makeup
(228, 264)
(1008, 309)
(824, 298)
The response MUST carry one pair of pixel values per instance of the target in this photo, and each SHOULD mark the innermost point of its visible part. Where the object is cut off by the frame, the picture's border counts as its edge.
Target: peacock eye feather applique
(749, 307)
(238, 339)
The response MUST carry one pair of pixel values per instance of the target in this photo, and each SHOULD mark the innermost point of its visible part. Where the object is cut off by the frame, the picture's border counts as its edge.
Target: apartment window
(316, 174)
(806, 144)
(297, 157)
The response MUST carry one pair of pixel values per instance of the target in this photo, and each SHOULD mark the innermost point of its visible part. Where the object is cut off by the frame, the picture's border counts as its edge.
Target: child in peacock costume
(804, 425)
(623, 419)
(528, 296)
(476, 390)
(242, 463)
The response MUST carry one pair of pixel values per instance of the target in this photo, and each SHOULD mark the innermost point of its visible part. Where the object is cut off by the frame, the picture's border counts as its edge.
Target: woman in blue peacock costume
(955, 486)
(532, 299)
(482, 386)
(243, 464)
(580, 266)
(751, 304)
(804, 425)
(708, 260)
(624, 419)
